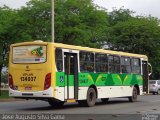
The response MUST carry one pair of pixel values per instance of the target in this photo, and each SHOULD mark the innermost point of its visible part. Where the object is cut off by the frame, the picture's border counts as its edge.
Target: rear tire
(105, 100)
(90, 100)
(133, 98)
(55, 104)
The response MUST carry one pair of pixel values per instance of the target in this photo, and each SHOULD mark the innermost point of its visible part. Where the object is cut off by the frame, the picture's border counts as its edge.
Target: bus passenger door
(71, 75)
(145, 76)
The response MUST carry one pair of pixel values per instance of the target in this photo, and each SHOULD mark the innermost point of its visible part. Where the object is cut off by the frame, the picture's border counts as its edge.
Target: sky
(13, 3)
(141, 7)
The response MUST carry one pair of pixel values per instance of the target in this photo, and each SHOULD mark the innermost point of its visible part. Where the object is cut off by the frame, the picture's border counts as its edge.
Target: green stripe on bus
(99, 79)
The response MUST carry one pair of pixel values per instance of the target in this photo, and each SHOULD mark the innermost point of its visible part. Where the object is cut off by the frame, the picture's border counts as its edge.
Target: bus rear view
(30, 71)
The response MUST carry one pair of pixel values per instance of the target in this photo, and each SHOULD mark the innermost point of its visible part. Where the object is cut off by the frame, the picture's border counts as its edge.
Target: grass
(4, 94)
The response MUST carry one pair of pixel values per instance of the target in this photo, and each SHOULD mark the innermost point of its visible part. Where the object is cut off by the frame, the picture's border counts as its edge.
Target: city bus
(59, 73)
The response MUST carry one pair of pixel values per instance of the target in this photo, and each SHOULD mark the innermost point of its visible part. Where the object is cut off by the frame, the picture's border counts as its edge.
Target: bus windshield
(29, 54)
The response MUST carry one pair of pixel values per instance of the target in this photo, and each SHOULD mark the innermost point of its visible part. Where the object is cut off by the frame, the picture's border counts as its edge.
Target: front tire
(134, 96)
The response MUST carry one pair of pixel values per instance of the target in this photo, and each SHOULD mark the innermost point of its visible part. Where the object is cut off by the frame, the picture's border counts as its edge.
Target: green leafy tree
(7, 34)
(5, 76)
(114, 17)
(138, 35)
(79, 22)
(120, 15)
(34, 21)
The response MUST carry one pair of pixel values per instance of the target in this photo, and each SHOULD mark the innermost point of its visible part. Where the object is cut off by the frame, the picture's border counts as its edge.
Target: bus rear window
(29, 54)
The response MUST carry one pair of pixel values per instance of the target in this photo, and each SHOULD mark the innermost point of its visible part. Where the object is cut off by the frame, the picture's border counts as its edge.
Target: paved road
(116, 108)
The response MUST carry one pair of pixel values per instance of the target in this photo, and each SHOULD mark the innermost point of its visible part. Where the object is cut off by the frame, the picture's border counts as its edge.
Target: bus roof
(66, 46)
(60, 45)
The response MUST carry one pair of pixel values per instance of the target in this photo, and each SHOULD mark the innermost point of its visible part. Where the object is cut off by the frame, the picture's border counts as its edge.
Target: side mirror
(149, 69)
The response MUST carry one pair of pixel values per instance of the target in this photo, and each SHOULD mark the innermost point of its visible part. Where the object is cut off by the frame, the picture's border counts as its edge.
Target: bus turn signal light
(47, 82)
(10, 79)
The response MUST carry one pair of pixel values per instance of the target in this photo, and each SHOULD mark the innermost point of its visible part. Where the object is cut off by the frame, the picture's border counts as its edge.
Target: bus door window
(71, 65)
(65, 64)
(59, 60)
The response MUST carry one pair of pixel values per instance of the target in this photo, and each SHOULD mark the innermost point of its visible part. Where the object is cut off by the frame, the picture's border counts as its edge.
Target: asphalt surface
(117, 108)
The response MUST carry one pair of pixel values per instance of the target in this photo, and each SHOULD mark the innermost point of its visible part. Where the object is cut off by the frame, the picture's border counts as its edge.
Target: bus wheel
(91, 97)
(55, 103)
(133, 98)
(105, 100)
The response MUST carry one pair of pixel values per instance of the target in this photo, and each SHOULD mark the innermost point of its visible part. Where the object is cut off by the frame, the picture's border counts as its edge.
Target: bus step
(71, 100)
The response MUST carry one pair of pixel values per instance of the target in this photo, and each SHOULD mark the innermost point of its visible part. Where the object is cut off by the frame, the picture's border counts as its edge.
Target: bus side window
(136, 69)
(114, 64)
(111, 62)
(125, 65)
(59, 60)
(101, 62)
(117, 64)
(86, 62)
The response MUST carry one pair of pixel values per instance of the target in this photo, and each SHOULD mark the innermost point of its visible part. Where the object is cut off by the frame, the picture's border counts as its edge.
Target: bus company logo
(27, 68)
(147, 116)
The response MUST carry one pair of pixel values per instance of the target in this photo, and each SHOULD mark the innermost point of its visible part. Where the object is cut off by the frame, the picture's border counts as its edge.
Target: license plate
(28, 88)
(28, 78)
